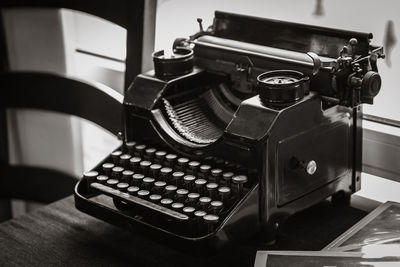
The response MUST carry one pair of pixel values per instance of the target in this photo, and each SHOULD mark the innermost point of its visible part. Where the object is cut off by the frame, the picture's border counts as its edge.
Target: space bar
(138, 201)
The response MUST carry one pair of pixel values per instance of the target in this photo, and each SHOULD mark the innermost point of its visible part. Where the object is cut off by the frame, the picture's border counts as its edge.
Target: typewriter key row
(177, 178)
(166, 206)
(174, 186)
(152, 189)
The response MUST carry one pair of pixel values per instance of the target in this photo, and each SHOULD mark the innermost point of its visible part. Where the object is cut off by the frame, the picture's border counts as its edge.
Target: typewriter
(238, 127)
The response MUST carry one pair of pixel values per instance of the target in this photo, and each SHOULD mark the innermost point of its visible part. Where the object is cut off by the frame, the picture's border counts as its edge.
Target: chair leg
(5, 210)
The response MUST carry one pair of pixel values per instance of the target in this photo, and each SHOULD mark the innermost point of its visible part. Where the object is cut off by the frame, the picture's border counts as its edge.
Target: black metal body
(295, 154)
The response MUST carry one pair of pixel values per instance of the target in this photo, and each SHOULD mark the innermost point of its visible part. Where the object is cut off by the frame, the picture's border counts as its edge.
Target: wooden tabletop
(59, 234)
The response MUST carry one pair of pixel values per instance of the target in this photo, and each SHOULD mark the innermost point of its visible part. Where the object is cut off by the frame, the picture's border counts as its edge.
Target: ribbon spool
(169, 65)
(281, 87)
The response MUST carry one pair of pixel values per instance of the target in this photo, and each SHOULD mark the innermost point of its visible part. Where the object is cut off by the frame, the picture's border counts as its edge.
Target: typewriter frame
(275, 131)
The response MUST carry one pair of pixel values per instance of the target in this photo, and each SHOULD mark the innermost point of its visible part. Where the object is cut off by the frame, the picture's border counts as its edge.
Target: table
(59, 234)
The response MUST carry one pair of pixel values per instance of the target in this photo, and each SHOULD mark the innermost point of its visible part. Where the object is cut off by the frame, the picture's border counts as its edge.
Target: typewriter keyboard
(186, 195)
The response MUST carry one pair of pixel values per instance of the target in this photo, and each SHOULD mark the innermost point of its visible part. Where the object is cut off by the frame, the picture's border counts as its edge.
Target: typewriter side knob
(370, 86)
(282, 86)
(179, 62)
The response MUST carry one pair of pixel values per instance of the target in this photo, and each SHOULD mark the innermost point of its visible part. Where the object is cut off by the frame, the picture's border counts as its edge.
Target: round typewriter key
(101, 179)
(188, 181)
(166, 201)
(133, 190)
(91, 176)
(137, 179)
(148, 182)
(130, 146)
(107, 167)
(231, 166)
(115, 156)
(239, 181)
(139, 150)
(227, 177)
(216, 174)
(127, 173)
(143, 193)
(192, 198)
(127, 176)
(211, 220)
(155, 170)
(124, 160)
(205, 202)
(155, 197)
(212, 189)
(240, 168)
(171, 158)
(122, 186)
(135, 161)
(160, 155)
(205, 169)
(144, 166)
(150, 152)
(224, 193)
(219, 162)
(194, 166)
(112, 182)
(189, 211)
(159, 186)
(117, 172)
(170, 190)
(181, 194)
(226, 163)
(165, 173)
(177, 178)
(177, 206)
(200, 213)
(216, 206)
(200, 185)
(209, 159)
(183, 162)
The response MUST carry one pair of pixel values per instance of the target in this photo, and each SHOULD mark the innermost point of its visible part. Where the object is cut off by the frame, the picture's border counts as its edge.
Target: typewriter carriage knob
(370, 86)
(282, 86)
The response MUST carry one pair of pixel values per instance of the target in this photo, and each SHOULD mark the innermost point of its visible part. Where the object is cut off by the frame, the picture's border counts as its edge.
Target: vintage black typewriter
(238, 127)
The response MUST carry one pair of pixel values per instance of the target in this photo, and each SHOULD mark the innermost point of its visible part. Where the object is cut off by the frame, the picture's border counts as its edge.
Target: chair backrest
(136, 16)
(99, 104)
(51, 92)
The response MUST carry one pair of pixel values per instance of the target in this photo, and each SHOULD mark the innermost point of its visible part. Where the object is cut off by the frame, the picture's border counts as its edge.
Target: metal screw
(311, 167)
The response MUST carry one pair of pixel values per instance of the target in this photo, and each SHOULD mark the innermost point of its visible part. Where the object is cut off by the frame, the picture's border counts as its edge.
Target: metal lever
(200, 21)
(316, 62)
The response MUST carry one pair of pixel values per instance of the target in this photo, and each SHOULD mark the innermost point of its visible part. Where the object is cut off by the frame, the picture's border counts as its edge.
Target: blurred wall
(37, 138)
(35, 43)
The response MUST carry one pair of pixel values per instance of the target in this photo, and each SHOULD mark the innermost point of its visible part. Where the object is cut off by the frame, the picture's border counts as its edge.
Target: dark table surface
(60, 235)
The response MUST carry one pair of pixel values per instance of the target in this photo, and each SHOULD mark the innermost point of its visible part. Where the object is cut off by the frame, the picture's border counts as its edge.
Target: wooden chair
(52, 92)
